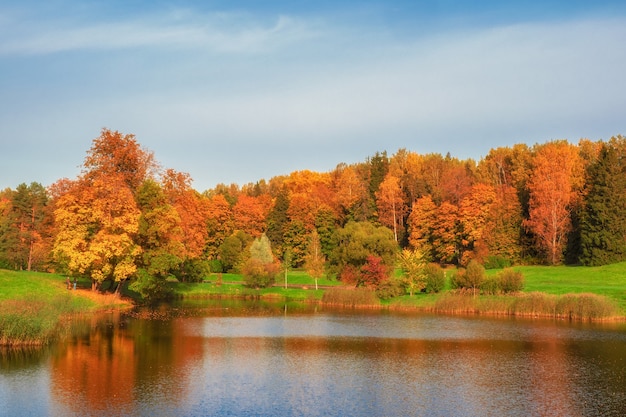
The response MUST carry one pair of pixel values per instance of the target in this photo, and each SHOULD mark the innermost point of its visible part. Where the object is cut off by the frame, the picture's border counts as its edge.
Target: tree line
(126, 217)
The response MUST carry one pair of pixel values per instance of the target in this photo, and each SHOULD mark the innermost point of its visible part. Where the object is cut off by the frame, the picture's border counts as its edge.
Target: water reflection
(222, 359)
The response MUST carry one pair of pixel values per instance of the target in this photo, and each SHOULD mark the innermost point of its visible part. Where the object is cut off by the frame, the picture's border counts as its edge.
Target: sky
(239, 91)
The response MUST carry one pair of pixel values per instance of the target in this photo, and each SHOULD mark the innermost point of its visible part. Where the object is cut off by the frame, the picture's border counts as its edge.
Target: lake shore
(34, 306)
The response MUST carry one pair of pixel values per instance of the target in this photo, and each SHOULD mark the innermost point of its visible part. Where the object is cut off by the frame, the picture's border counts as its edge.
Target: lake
(228, 358)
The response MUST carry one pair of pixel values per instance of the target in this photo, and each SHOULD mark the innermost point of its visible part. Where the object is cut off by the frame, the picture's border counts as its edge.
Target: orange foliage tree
(555, 179)
(250, 214)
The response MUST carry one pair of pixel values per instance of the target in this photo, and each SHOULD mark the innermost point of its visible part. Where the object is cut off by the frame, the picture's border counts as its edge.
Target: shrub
(257, 274)
(510, 281)
(435, 278)
(390, 288)
(193, 270)
(469, 278)
(490, 286)
(349, 275)
(373, 273)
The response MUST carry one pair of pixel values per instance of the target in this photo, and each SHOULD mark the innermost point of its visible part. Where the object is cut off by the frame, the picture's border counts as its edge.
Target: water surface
(231, 359)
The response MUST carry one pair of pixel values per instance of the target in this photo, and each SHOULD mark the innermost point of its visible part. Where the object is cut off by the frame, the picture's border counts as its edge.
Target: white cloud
(218, 32)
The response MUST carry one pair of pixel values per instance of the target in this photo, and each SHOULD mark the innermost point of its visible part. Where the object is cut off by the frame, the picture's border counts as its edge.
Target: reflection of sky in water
(397, 327)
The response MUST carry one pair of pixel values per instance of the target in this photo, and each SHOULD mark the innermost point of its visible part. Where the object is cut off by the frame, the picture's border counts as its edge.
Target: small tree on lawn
(413, 264)
(260, 270)
(472, 277)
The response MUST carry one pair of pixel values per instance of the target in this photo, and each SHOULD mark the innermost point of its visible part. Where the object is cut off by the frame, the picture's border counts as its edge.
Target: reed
(353, 297)
(29, 323)
(577, 307)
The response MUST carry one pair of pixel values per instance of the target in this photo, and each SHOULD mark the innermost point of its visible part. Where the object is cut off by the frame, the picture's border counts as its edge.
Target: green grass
(607, 280)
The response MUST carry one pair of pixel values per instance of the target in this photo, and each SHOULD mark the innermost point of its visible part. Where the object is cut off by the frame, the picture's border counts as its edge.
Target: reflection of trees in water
(107, 366)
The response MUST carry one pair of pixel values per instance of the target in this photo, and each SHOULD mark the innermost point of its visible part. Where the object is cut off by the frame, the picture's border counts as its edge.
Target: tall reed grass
(579, 307)
(353, 297)
(31, 323)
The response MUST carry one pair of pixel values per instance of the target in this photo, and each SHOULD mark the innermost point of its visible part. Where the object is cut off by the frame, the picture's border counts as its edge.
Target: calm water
(250, 360)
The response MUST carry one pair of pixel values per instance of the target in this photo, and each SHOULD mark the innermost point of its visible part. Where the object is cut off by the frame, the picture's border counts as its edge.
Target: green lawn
(607, 280)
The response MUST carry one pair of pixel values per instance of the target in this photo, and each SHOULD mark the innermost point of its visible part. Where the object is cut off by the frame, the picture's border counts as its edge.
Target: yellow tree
(413, 264)
(96, 222)
(553, 185)
(391, 208)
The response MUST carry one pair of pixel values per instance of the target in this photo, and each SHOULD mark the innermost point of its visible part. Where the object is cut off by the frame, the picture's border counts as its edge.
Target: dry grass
(351, 297)
(578, 307)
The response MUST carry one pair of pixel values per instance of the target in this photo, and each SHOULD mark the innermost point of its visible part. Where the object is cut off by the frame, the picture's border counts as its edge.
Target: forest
(126, 218)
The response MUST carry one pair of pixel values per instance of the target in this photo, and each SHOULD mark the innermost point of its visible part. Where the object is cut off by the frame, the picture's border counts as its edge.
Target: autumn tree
(192, 208)
(350, 193)
(97, 222)
(556, 176)
(421, 224)
(219, 224)
(445, 233)
(390, 203)
(413, 264)
(96, 216)
(115, 153)
(250, 214)
(161, 239)
(475, 214)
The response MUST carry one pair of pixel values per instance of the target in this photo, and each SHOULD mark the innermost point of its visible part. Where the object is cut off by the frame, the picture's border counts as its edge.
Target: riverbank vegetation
(36, 307)
(577, 293)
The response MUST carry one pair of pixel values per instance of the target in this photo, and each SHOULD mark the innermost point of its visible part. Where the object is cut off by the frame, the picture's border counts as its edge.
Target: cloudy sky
(237, 91)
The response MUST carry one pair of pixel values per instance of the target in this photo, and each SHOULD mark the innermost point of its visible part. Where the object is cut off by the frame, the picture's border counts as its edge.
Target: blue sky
(238, 91)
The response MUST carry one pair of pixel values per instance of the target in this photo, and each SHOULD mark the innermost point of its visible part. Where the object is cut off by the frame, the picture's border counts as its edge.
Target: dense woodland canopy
(127, 218)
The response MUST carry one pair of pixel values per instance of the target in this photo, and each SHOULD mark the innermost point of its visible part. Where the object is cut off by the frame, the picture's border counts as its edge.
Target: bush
(510, 281)
(490, 286)
(469, 278)
(193, 270)
(390, 288)
(257, 274)
(435, 278)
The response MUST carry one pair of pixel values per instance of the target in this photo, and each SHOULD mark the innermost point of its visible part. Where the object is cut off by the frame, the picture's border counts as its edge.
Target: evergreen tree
(603, 225)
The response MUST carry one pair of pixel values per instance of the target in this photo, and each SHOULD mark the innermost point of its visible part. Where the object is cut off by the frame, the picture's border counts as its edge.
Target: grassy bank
(34, 307)
(578, 293)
